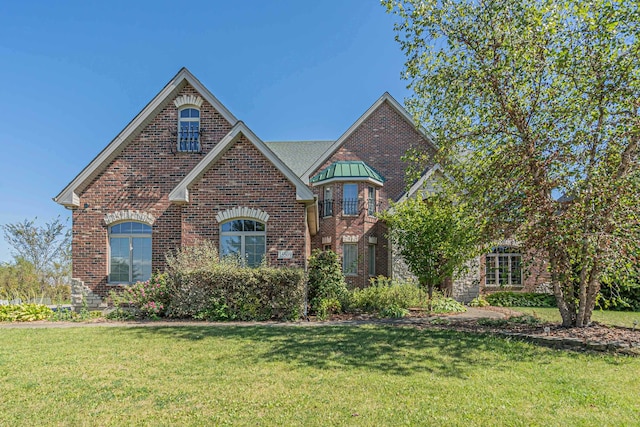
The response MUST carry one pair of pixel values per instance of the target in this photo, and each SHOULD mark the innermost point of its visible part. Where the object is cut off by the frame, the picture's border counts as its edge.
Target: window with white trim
(189, 130)
(129, 252)
(503, 267)
(244, 238)
(371, 200)
(350, 259)
(350, 199)
(327, 205)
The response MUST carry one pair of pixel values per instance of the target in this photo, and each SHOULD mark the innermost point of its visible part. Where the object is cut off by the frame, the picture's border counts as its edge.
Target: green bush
(384, 294)
(144, 299)
(479, 301)
(446, 305)
(394, 312)
(521, 299)
(327, 307)
(326, 281)
(24, 312)
(227, 291)
(619, 297)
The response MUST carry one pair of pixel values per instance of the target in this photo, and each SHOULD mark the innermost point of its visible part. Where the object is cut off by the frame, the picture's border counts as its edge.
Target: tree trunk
(567, 314)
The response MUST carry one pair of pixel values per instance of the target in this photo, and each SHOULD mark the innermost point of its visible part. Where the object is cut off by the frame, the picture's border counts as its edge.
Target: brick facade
(141, 170)
(139, 178)
(380, 141)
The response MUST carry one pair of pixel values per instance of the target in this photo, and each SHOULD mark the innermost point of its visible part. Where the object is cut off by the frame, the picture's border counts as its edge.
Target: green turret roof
(348, 171)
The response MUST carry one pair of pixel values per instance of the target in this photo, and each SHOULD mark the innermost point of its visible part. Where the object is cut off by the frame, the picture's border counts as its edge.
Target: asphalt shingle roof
(299, 155)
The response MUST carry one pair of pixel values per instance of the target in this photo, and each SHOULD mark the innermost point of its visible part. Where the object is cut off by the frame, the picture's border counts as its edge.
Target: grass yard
(611, 318)
(311, 376)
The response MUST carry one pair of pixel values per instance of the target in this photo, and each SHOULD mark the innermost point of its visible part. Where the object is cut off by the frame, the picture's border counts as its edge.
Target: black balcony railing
(189, 140)
(348, 207)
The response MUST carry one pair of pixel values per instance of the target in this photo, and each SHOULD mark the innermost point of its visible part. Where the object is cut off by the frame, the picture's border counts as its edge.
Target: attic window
(189, 130)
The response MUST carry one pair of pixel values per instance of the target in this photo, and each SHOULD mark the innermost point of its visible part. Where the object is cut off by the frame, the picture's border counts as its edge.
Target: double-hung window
(503, 267)
(189, 130)
(327, 209)
(371, 201)
(245, 239)
(350, 259)
(350, 199)
(129, 252)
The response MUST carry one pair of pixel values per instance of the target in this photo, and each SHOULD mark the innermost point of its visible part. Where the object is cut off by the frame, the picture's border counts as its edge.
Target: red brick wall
(380, 141)
(243, 177)
(140, 178)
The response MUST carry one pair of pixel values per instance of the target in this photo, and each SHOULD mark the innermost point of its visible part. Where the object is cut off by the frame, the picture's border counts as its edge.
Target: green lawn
(312, 376)
(612, 318)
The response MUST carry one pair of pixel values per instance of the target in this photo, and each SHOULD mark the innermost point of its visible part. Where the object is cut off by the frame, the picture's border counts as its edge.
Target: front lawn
(611, 318)
(312, 376)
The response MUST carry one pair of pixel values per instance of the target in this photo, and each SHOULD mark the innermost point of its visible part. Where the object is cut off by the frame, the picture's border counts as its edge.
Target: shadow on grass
(394, 350)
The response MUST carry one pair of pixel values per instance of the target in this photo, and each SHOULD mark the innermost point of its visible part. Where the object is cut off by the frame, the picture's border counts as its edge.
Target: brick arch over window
(240, 212)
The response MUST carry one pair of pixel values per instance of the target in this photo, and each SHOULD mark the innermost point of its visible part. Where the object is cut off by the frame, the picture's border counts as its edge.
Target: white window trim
(189, 119)
(242, 235)
(355, 263)
(130, 237)
(356, 199)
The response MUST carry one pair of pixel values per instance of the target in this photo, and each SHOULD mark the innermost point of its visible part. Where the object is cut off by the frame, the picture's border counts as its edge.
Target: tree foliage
(530, 100)
(433, 235)
(47, 248)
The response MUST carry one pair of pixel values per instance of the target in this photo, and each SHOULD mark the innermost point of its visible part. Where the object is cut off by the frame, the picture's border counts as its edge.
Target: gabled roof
(386, 97)
(348, 171)
(430, 175)
(180, 194)
(68, 196)
(299, 155)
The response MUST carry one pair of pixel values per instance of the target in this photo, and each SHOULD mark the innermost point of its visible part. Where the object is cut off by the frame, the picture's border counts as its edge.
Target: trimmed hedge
(521, 299)
(237, 293)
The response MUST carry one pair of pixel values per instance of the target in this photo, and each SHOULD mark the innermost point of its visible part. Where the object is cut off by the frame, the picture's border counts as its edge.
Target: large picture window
(189, 130)
(244, 238)
(503, 267)
(129, 252)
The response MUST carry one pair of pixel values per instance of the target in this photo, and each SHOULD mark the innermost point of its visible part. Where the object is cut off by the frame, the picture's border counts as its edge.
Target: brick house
(185, 169)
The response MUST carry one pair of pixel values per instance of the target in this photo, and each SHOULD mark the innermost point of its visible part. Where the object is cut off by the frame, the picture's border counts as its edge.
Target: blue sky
(74, 73)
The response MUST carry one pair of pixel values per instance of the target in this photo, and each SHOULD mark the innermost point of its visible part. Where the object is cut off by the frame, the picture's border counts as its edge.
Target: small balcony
(189, 140)
(347, 207)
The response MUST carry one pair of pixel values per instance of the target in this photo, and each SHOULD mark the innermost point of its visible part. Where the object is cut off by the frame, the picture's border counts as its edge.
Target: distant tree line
(41, 265)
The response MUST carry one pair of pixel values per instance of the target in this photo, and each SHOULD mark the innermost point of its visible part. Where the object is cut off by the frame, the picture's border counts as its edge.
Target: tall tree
(433, 235)
(530, 100)
(46, 247)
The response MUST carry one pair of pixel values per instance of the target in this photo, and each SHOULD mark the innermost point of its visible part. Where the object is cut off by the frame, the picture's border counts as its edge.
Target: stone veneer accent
(129, 215)
(80, 293)
(258, 214)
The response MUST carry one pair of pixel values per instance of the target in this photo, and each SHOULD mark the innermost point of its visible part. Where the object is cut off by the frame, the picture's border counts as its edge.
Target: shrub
(479, 301)
(384, 294)
(24, 312)
(394, 312)
(521, 299)
(446, 305)
(227, 291)
(326, 280)
(619, 297)
(327, 307)
(144, 299)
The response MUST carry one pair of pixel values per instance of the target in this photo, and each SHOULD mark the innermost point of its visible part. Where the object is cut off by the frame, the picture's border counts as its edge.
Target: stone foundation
(80, 293)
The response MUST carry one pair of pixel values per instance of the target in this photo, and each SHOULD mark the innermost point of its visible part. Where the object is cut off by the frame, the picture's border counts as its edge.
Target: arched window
(245, 238)
(189, 130)
(129, 252)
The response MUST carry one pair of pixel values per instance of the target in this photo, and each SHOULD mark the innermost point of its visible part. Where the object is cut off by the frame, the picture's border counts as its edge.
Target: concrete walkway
(470, 314)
